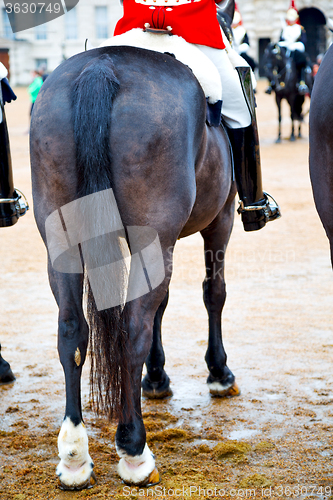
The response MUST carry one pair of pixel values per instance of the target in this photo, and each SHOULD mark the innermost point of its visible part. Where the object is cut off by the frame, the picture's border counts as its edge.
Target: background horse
(321, 144)
(281, 70)
(129, 124)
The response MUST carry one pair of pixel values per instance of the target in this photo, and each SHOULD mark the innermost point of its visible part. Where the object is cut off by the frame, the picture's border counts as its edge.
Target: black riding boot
(255, 207)
(302, 87)
(12, 205)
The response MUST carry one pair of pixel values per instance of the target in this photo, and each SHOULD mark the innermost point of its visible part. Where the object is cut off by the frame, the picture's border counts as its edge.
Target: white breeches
(293, 46)
(234, 108)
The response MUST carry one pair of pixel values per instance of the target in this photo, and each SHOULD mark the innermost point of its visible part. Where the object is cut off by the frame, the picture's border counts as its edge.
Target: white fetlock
(140, 469)
(75, 469)
(223, 390)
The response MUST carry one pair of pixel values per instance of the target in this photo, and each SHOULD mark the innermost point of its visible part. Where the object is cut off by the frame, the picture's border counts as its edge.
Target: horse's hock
(275, 435)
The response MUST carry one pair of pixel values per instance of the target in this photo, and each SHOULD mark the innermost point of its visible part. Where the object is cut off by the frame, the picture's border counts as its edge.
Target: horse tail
(92, 100)
(94, 91)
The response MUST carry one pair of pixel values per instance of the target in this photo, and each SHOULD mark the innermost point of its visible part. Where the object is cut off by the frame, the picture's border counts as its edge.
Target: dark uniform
(12, 205)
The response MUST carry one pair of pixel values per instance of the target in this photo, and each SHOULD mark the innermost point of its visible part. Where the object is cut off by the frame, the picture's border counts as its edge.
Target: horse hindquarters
(151, 142)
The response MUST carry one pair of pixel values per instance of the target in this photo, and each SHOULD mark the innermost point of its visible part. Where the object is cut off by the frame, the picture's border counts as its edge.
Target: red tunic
(195, 21)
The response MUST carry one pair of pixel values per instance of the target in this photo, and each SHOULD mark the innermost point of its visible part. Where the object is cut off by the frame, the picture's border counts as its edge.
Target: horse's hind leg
(221, 381)
(137, 464)
(156, 383)
(75, 469)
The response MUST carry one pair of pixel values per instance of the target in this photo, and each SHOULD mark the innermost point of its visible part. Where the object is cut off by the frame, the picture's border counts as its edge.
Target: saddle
(202, 67)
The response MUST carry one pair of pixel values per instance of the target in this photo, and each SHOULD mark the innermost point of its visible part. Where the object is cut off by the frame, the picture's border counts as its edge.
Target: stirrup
(271, 209)
(256, 216)
(18, 204)
(302, 88)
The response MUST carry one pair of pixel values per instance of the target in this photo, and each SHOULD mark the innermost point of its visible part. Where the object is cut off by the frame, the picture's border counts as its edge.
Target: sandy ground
(275, 439)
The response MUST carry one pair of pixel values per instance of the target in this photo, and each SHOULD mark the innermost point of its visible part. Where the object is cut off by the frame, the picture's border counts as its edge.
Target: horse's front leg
(221, 381)
(278, 103)
(292, 116)
(137, 463)
(75, 470)
(156, 383)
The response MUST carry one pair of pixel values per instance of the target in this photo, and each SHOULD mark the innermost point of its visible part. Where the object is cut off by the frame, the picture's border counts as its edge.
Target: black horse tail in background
(92, 98)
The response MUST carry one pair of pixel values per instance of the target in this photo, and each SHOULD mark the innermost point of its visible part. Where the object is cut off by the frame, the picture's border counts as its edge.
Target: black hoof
(156, 390)
(6, 374)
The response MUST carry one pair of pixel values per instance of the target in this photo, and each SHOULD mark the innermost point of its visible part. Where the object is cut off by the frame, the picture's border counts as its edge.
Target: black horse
(127, 124)
(280, 69)
(321, 144)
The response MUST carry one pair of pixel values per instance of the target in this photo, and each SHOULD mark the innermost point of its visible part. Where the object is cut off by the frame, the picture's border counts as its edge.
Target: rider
(197, 23)
(293, 38)
(12, 206)
(240, 38)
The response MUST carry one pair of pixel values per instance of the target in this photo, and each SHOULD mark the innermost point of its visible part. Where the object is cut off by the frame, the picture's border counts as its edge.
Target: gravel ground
(274, 440)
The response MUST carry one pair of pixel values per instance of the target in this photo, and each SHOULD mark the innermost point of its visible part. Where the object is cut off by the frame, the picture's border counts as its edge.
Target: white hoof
(223, 390)
(138, 469)
(75, 470)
